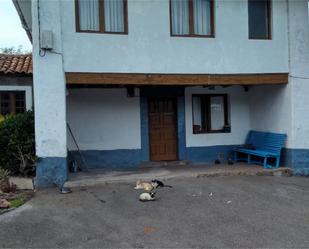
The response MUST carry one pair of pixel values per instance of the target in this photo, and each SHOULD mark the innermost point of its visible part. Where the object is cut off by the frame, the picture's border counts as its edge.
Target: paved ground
(244, 211)
(99, 177)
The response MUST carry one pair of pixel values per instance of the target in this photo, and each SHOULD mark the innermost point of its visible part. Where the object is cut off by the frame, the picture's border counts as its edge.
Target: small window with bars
(12, 102)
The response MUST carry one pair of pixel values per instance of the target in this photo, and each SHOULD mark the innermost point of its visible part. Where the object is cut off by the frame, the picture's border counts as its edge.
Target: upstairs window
(12, 102)
(192, 18)
(259, 19)
(101, 16)
(210, 113)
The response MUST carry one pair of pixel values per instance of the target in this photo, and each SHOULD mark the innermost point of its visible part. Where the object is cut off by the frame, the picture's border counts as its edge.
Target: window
(101, 16)
(192, 18)
(210, 113)
(12, 102)
(259, 19)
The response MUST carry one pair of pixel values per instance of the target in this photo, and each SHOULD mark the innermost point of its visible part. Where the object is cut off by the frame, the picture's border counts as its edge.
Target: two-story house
(161, 80)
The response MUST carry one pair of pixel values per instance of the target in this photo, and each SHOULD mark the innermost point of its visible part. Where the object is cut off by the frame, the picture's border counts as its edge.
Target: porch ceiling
(175, 79)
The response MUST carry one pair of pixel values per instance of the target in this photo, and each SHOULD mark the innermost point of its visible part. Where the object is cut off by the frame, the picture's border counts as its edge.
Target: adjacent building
(15, 84)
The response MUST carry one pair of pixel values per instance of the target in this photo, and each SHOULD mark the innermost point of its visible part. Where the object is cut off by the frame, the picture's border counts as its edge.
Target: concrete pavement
(241, 211)
(99, 177)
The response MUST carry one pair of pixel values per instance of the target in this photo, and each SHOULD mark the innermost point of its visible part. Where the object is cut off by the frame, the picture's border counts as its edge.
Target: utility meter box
(47, 40)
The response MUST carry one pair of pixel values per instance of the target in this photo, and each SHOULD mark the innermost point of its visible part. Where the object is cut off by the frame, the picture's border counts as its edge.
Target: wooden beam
(175, 79)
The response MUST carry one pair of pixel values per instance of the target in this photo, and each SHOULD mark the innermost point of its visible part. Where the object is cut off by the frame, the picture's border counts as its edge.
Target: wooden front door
(163, 129)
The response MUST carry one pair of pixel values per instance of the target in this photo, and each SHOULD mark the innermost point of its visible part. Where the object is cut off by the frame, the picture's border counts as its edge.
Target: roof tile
(15, 64)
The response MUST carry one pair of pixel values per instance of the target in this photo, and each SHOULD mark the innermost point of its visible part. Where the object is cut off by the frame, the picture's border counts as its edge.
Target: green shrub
(17, 144)
(4, 174)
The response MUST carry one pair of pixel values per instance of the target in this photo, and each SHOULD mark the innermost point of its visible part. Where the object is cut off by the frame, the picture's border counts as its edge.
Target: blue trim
(286, 158)
(110, 159)
(181, 128)
(51, 171)
(298, 159)
(144, 129)
(208, 154)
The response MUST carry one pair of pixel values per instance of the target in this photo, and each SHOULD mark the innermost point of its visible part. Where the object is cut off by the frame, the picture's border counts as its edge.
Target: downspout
(290, 76)
(288, 33)
(23, 20)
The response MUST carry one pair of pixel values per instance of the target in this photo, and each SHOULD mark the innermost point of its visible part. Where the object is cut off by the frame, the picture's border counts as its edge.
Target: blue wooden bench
(262, 146)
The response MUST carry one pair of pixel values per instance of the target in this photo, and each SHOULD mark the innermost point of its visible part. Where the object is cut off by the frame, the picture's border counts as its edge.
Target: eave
(23, 19)
(81, 78)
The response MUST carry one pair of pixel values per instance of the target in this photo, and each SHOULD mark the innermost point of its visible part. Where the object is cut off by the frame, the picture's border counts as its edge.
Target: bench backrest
(267, 141)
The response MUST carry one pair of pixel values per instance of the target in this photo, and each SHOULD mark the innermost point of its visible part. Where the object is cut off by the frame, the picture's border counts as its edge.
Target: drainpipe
(288, 34)
(290, 74)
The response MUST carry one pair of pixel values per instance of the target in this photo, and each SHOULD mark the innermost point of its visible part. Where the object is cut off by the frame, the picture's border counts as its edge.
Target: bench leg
(265, 163)
(277, 162)
(249, 159)
(235, 156)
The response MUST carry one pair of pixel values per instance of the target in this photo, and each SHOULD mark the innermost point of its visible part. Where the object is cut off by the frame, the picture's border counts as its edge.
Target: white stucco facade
(106, 119)
(49, 83)
(149, 48)
(239, 115)
(103, 119)
(270, 109)
(299, 73)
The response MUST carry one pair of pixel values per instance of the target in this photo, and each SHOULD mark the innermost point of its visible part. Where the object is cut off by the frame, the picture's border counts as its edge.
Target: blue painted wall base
(54, 171)
(298, 159)
(181, 128)
(110, 159)
(131, 159)
(144, 129)
(51, 171)
(208, 154)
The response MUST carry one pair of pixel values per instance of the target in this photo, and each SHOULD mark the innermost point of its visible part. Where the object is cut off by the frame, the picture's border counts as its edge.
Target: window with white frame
(210, 113)
(12, 102)
(101, 16)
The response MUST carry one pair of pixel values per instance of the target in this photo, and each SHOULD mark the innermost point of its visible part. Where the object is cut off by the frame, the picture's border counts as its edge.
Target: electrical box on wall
(47, 40)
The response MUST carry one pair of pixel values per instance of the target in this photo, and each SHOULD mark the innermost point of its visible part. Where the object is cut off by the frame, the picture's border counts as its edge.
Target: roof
(16, 64)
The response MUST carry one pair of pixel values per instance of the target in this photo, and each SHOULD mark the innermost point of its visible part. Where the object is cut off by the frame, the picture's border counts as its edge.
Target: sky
(11, 30)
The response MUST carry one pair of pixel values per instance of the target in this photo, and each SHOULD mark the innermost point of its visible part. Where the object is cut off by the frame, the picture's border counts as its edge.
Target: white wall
(285, 108)
(270, 109)
(299, 73)
(26, 89)
(239, 118)
(300, 113)
(49, 84)
(149, 48)
(104, 119)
